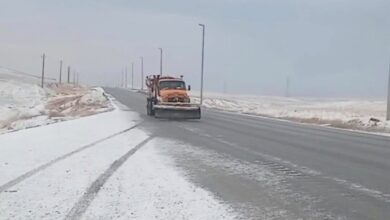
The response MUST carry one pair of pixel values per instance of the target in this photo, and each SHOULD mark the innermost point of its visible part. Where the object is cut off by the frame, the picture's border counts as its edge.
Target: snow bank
(20, 101)
(24, 104)
(343, 113)
(94, 96)
(73, 102)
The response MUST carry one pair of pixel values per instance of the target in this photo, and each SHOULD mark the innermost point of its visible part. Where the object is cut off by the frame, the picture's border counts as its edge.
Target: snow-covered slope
(24, 104)
(20, 76)
(20, 100)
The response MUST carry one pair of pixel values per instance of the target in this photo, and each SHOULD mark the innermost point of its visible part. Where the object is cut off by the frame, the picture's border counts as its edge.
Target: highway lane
(273, 169)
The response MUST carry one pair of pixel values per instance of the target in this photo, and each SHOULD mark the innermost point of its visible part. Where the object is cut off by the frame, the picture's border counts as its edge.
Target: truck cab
(173, 90)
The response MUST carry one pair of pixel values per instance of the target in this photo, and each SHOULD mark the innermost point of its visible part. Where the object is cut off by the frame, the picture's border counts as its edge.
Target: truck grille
(176, 99)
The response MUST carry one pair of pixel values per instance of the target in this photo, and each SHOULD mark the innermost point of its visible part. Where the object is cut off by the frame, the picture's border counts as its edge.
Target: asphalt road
(272, 169)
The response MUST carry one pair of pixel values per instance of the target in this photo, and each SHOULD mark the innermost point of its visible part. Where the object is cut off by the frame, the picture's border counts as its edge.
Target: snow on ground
(19, 101)
(343, 113)
(24, 104)
(16, 75)
(149, 187)
(28, 148)
(146, 186)
(69, 101)
(52, 193)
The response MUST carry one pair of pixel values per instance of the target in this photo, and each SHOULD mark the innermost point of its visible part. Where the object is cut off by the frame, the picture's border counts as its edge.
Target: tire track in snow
(34, 171)
(82, 205)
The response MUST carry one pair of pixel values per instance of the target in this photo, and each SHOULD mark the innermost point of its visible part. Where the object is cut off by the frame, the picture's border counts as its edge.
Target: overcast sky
(327, 47)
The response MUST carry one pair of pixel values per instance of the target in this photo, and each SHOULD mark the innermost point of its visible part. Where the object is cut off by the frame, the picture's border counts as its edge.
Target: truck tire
(149, 107)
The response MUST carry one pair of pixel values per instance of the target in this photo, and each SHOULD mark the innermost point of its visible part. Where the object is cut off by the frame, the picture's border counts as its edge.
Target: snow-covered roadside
(51, 193)
(342, 113)
(23, 104)
(149, 186)
(69, 102)
(19, 102)
(156, 188)
(29, 148)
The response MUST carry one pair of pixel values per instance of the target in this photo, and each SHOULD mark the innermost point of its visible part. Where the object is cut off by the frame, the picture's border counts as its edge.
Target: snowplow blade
(177, 112)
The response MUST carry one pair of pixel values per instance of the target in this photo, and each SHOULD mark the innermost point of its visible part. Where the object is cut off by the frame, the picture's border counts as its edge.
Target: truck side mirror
(189, 87)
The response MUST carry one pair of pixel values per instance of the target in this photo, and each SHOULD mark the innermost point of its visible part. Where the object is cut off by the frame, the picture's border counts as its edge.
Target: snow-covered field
(342, 113)
(24, 104)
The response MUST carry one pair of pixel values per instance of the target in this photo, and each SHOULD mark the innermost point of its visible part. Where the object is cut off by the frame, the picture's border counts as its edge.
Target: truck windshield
(172, 85)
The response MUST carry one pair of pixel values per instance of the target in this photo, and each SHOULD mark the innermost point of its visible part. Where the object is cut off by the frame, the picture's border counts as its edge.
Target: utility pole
(122, 79)
(287, 94)
(388, 98)
(60, 79)
(132, 75)
(126, 77)
(202, 66)
(68, 75)
(161, 61)
(43, 69)
(142, 71)
(77, 78)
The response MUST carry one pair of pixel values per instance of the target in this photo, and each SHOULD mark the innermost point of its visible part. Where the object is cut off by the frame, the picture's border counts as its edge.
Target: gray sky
(328, 47)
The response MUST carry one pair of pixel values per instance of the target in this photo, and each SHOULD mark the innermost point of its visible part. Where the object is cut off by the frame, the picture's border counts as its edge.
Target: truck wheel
(151, 108)
(148, 107)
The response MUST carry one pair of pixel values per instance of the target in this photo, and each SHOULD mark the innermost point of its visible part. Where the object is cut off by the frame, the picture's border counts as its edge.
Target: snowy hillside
(343, 113)
(23, 103)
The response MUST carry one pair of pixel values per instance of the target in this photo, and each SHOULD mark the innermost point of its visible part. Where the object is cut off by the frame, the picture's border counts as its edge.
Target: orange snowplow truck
(168, 98)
